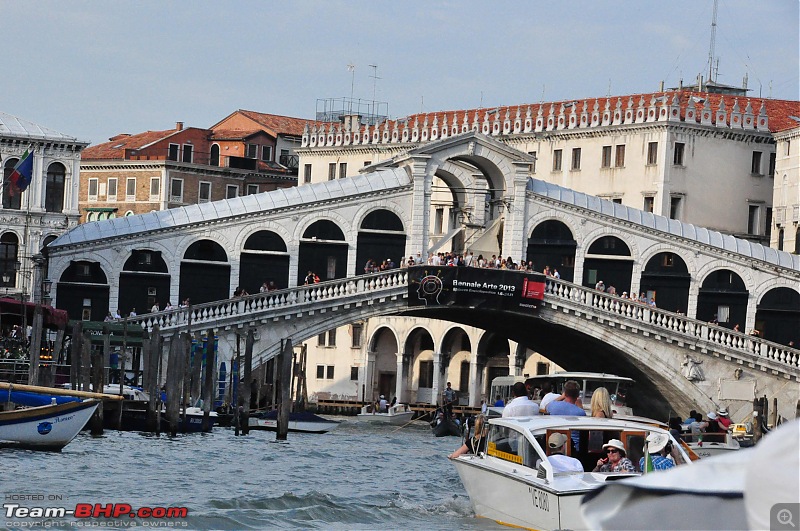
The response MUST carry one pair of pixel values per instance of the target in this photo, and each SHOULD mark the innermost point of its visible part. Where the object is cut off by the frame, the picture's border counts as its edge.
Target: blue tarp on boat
(25, 398)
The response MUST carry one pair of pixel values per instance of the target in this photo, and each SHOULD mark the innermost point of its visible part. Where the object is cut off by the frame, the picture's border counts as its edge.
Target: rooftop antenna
(608, 95)
(543, 87)
(352, 69)
(713, 42)
(375, 79)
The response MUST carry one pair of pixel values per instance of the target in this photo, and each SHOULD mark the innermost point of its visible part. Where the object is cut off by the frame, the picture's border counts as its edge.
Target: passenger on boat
(690, 418)
(568, 406)
(560, 462)
(547, 395)
(723, 419)
(477, 443)
(698, 426)
(713, 424)
(521, 406)
(383, 405)
(498, 402)
(615, 460)
(659, 447)
(601, 403)
(449, 398)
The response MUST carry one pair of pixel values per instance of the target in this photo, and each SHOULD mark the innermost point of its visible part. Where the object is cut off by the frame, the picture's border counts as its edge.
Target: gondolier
(450, 397)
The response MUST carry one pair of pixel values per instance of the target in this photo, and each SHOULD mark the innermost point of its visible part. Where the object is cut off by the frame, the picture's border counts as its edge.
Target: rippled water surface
(359, 476)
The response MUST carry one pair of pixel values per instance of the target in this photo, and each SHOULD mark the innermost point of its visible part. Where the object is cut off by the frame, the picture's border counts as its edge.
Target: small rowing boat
(302, 422)
(395, 415)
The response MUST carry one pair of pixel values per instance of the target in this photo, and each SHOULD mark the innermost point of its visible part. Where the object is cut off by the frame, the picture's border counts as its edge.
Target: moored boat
(711, 444)
(395, 415)
(302, 422)
(50, 427)
(514, 483)
(444, 427)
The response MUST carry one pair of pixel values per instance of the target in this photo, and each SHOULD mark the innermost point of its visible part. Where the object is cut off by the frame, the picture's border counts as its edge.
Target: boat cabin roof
(558, 422)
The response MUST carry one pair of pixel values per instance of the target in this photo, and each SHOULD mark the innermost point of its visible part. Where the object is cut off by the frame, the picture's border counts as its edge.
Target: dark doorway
(205, 273)
(264, 259)
(666, 274)
(552, 243)
(723, 297)
(143, 282)
(381, 236)
(323, 251)
(778, 316)
(83, 291)
(608, 259)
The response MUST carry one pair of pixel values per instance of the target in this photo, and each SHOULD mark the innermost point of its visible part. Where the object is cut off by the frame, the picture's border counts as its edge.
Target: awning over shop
(11, 310)
(132, 337)
(447, 238)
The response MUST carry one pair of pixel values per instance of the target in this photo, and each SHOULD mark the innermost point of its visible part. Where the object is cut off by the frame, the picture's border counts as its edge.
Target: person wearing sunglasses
(615, 459)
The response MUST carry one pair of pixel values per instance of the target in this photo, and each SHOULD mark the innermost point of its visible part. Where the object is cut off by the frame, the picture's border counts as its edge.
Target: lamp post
(6, 277)
(36, 332)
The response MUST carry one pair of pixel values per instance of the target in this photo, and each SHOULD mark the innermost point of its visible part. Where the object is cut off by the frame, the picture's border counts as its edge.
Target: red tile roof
(232, 134)
(115, 148)
(276, 124)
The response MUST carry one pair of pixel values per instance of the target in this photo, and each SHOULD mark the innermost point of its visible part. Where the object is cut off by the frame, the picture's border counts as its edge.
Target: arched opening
(54, 191)
(380, 236)
(797, 241)
(419, 351)
(12, 197)
(780, 239)
(552, 244)
(9, 249)
(264, 259)
(456, 355)
(323, 250)
(608, 259)
(83, 291)
(778, 316)
(214, 156)
(493, 352)
(382, 379)
(143, 282)
(205, 274)
(45, 242)
(723, 297)
(666, 279)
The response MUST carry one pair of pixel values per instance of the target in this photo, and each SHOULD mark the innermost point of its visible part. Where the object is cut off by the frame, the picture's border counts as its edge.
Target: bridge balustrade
(376, 285)
(681, 324)
(256, 305)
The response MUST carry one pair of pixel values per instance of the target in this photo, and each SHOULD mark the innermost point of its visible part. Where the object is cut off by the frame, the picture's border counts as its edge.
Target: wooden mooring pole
(175, 371)
(246, 387)
(209, 379)
(152, 360)
(284, 381)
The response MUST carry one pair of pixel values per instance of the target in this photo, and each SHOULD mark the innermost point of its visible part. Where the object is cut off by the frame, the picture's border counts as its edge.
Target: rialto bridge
(203, 252)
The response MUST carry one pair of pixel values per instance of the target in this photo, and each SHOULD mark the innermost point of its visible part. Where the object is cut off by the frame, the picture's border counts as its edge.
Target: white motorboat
(396, 414)
(301, 422)
(49, 427)
(513, 482)
(711, 444)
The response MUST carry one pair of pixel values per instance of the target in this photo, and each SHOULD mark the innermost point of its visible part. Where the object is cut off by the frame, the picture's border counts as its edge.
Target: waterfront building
(45, 209)
(786, 196)
(157, 170)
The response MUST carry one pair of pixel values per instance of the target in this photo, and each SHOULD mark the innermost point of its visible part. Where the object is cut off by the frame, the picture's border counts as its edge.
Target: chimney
(179, 126)
(661, 86)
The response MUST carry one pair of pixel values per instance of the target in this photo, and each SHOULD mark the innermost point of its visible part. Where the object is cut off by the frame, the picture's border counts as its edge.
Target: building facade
(47, 208)
(786, 196)
(158, 170)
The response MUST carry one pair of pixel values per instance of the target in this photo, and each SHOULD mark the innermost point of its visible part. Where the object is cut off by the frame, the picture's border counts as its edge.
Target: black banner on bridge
(471, 287)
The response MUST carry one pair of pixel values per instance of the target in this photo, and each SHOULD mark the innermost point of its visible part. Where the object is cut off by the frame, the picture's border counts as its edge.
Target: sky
(92, 69)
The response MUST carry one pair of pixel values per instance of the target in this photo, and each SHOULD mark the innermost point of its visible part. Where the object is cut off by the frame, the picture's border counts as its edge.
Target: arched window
(54, 194)
(12, 197)
(214, 161)
(9, 245)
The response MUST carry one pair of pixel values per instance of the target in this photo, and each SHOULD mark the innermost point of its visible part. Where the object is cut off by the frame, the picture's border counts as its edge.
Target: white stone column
(750, 318)
(478, 199)
(399, 387)
(421, 203)
(474, 394)
(369, 378)
(694, 294)
(437, 363)
(514, 231)
(513, 370)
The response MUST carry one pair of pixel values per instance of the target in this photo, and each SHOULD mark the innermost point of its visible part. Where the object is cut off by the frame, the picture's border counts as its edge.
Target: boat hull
(45, 427)
(445, 429)
(298, 423)
(517, 501)
(387, 418)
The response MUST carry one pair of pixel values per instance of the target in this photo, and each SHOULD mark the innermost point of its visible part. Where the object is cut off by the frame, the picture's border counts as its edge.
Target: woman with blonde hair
(477, 443)
(601, 403)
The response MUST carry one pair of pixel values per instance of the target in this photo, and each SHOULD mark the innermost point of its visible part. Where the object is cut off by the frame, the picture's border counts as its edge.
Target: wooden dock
(353, 407)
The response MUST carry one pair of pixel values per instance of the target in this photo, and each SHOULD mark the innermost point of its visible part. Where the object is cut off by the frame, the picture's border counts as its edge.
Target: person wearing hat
(659, 447)
(713, 424)
(615, 460)
(561, 463)
(723, 419)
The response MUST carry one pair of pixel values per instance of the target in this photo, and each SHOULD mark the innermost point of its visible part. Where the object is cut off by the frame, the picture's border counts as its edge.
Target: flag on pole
(648, 461)
(21, 175)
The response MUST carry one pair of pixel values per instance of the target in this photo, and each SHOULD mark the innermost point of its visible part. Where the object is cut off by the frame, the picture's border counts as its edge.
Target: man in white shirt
(547, 395)
(560, 462)
(521, 406)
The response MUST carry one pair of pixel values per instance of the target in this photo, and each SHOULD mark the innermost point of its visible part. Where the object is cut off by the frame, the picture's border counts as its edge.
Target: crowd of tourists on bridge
(452, 259)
